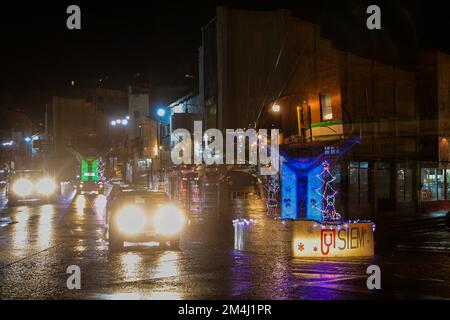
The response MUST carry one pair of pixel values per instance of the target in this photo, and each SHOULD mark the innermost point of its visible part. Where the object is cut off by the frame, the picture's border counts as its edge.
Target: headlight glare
(46, 186)
(22, 187)
(169, 220)
(130, 220)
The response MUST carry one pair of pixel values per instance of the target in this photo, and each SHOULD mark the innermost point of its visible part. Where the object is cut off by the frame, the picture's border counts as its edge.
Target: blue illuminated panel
(288, 192)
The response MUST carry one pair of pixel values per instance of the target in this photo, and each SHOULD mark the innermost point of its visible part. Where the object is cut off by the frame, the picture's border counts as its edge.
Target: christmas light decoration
(272, 187)
(101, 169)
(327, 194)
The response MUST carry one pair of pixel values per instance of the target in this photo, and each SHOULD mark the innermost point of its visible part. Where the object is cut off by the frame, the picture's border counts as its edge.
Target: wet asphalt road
(38, 242)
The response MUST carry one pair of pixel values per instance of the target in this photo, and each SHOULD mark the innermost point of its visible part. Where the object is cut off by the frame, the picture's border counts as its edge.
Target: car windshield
(28, 174)
(144, 199)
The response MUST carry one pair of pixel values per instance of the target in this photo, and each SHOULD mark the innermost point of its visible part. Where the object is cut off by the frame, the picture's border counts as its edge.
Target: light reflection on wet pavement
(43, 240)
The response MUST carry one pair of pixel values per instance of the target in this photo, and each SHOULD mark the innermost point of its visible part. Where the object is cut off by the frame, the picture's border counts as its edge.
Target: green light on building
(89, 169)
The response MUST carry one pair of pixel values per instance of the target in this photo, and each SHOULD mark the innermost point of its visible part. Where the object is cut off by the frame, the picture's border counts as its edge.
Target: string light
(272, 186)
(328, 195)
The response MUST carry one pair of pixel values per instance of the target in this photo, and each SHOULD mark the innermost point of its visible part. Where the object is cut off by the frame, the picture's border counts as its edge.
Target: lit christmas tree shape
(327, 194)
(272, 187)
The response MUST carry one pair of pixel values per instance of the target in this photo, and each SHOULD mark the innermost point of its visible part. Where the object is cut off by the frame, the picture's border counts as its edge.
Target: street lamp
(124, 122)
(8, 143)
(161, 112)
(276, 108)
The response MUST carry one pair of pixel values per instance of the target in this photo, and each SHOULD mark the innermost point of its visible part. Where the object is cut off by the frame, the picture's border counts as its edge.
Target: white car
(28, 185)
(143, 216)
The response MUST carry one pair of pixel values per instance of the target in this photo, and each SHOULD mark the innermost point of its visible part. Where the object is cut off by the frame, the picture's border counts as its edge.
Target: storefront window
(359, 182)
(383, 181)
(435, 184)
(448, 184)
(440, 184)
(429, 185)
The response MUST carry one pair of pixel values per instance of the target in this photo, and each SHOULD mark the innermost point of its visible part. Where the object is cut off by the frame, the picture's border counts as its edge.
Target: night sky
(145, 41)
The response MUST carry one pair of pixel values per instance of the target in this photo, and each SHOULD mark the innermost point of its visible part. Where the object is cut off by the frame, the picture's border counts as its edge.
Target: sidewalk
(425, 232)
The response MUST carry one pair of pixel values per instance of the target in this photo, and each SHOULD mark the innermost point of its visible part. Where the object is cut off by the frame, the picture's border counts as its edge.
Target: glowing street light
(113, 123)
(8, 143)
(161, 112)
(276, 108)
(124, 122)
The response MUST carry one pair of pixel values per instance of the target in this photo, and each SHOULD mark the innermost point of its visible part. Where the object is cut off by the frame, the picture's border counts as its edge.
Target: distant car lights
(25, 187)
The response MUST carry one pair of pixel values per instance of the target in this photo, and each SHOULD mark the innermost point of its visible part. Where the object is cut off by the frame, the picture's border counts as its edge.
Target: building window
(435, 184)
(404, 184)
(447, 179)
(331, 151)
(326, 111)
(383, 181)
(429, 185)
(359, 182)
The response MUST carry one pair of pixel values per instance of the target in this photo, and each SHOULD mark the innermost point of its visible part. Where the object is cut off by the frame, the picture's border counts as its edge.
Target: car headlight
(46, 186)
(169, 220)
(130, 220)
(22, 187)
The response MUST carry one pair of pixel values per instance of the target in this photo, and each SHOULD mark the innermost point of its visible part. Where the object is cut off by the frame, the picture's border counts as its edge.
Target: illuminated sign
(312, 239)
(89, 169)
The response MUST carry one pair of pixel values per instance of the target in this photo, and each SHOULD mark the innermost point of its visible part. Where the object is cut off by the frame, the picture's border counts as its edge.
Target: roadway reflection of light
(130, 265)
(20, 232)
(100, 207)
(167, 265)
(158, 295)
(80, 205)
(22, 216)
(100, 202)
(45, 226)
(162, 295)
(123, 296)
(80, 247)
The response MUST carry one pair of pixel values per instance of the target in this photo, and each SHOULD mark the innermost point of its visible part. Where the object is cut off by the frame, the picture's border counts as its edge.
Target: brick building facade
(328, 97)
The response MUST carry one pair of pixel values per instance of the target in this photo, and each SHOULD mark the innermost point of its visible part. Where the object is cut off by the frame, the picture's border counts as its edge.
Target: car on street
(142, 216)
(90, 187)
(31, 185)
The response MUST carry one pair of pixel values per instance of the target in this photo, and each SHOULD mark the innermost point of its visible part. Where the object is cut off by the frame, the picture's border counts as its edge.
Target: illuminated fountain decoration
(328, 195)
(272, 187)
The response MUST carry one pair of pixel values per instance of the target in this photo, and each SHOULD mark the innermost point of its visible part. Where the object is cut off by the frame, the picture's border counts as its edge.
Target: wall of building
(258, 52)
(400, 115)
